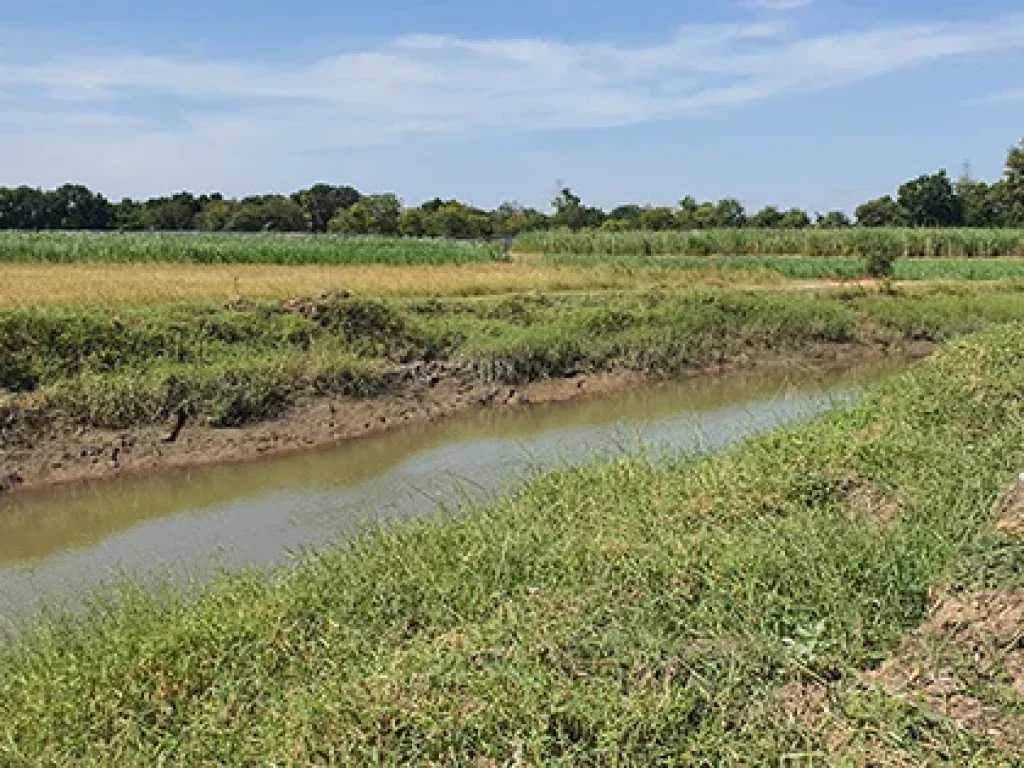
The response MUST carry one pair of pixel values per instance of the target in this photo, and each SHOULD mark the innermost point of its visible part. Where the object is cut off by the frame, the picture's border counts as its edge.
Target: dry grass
(34, 285)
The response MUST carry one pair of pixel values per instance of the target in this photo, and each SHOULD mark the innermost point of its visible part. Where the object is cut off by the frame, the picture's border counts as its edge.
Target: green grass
(808, 267)
(622, 613)
(130, 248)
(228, 365)
(839, 243)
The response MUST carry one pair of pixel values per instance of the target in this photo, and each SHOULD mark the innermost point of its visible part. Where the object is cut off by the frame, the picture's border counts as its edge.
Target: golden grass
(36, 284)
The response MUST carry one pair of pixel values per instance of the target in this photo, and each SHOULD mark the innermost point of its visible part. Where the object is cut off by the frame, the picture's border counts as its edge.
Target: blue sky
(816, 103)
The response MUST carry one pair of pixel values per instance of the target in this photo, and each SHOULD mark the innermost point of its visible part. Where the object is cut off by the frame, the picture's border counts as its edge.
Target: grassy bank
(249, 361)
(194, 248)
(824, 243)
(718, 612)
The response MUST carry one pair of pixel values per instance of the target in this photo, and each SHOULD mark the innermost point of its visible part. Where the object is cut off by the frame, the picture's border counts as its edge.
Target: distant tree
(412, 222)
(511, 218)
(694, 215)
(768, 217)
(321, 202)
(883, 212)
(977, 203)
(372, 215)
(216, 215)
(625, 217)
(931, 201)
(657, 219)
(729, 213)
(794, 218)
(73, 206)
(455, 220)
(267, 213)
(570, 212)
(833, 220)
(1008, 193)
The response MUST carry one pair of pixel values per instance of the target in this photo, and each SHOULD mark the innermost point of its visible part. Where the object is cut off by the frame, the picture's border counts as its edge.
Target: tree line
(931, 200)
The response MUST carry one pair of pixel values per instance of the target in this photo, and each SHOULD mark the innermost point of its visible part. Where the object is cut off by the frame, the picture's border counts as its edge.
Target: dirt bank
(56, 452)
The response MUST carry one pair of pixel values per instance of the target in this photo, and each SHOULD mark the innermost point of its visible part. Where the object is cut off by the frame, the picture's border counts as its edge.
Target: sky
(820, 104)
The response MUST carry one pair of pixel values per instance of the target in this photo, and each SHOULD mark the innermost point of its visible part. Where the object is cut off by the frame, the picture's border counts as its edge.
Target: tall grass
(844, 243)
(616, 614)
(801, 267)
(131, 247)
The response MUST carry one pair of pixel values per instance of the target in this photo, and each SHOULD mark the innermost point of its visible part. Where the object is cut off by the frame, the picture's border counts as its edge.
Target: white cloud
(112, 116)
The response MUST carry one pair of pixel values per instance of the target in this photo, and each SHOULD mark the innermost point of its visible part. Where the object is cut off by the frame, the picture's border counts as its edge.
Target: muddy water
(183, 525)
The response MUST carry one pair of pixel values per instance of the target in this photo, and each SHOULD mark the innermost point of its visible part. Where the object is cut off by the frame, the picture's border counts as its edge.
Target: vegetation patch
(629, 612)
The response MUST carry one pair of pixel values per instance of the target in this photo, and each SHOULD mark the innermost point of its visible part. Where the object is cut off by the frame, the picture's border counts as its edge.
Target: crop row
(846, 243)
(88, 247)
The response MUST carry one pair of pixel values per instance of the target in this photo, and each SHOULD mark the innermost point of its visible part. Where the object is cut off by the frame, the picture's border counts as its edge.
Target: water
(183, 525)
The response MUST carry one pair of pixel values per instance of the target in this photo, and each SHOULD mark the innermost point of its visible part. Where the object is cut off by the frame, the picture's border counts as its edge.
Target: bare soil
(966, 662)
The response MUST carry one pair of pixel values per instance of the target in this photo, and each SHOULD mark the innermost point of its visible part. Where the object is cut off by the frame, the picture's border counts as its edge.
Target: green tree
(657, 219)
(833, 220)
(1008, 194)
(511, 219)
(455, 220)
(216, 215)
(768, 217)
(730, 214)
(412, 222)
(73, 206)
(626, 217)
(977, 202)
(321, 203)
(883, 212)
(372, 215)
(570, 212)
(931, 201)
(267, 213)
(795, 218)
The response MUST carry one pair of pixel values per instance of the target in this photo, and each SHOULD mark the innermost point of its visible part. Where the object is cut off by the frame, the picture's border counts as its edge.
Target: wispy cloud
(414, 87)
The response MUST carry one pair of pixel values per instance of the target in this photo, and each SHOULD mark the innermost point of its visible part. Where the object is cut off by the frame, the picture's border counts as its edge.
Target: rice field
(194, 248)
(822, 243)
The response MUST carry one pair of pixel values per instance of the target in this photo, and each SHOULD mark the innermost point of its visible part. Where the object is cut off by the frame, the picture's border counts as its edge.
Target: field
(795, 267)
(844, 592)
(31, 285)
(838, 243)
(194, 248)
(767, 604)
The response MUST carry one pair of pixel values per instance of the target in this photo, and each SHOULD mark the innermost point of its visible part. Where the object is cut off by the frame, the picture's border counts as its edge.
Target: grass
(33, 285)
(838, 243)
(118, 367)
(194, 248)
(622, 614)
(802, 267)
